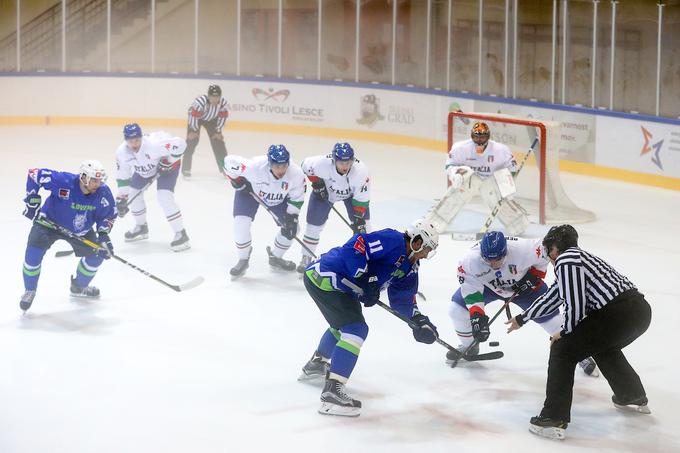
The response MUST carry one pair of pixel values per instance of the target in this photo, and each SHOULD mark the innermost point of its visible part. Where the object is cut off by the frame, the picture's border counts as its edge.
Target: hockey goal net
(539, 188)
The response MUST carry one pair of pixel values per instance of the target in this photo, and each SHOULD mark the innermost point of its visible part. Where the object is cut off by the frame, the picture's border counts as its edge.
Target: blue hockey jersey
(68, 206)
(380, 255)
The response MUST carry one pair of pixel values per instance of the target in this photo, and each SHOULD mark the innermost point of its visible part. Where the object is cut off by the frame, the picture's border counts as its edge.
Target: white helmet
(424, 230)
(92, 169)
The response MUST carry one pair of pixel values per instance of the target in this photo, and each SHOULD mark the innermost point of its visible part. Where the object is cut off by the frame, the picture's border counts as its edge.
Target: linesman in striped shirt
(603, 313)
(210, 111)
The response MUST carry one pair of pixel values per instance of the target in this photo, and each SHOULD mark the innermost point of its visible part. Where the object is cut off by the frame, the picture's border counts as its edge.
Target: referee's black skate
(334, 400)
(547, 427)
(137, 233)
(316, 367)
(279, 263)
(27, 300)
(181, 241)
(635, 405)
(87, 292)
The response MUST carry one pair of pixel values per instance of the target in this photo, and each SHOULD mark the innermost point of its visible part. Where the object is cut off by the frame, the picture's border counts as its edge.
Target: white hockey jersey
(355, 184)
(474, 274)
(271, 191)
(155, 147)
(495, 156)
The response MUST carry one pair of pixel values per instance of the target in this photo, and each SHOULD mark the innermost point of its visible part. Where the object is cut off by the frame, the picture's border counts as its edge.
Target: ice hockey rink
(214, 369)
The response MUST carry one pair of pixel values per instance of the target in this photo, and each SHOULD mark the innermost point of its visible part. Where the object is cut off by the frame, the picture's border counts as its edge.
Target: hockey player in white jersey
(337, 176)
(477, 164)
(276, 182)
(141, 159)
(496, 268)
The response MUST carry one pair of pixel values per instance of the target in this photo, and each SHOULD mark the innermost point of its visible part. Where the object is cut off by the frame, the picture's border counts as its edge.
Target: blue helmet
(278, 154)
(132, 130)
(493, 246)
(343, 152)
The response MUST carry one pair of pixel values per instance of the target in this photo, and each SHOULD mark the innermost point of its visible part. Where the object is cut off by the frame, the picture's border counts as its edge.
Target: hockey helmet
(92, 169)
(480, 133)
(132, 130)
(493, 246)
(278, 154)
(562, 237)
(214, 90)
(343, 152)
(424, 230)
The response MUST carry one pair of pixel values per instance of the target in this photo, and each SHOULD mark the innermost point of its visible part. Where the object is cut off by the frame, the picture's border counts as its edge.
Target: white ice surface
(214, 369)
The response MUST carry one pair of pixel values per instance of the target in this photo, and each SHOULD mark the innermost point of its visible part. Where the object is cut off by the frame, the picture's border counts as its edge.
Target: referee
(603, 313)
(210, 111)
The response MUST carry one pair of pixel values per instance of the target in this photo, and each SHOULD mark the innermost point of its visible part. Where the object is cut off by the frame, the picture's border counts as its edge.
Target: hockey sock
(87, 268)
(281, 245)
(311, 237)
(32, 265)
(166, 198)
(328, 341)
(138, 207)
(242, 236)
(346, 351)
(461, 322)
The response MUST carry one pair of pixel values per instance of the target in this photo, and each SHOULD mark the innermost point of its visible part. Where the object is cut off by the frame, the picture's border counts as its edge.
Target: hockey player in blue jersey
(76, 202)
(346, 277)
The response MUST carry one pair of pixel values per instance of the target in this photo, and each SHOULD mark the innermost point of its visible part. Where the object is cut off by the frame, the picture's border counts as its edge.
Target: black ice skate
(279, 263)
(589, 367)
(316, 367)
(304, 262)
(334, 400)
(87, 292)
(547, 427)
(636, 405)
(452, 357)
(27, 300)
(181, 241)
(138, 233)
(240, 268)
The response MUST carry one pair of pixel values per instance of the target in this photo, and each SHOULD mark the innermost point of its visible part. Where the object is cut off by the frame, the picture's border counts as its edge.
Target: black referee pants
(602, 335)
(218, 147)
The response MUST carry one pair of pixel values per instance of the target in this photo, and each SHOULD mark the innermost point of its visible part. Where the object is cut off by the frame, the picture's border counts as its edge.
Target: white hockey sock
(461, 322)
(311, 237)
(552, 325)
(242, 236)
(138, 207)
(281, 244)
(166, 198)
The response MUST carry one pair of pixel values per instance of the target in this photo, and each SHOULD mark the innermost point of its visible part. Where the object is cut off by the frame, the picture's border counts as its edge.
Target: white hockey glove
(456, 175)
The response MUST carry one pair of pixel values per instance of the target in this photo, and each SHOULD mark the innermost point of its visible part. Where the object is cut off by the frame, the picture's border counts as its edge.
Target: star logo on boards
(648, 147)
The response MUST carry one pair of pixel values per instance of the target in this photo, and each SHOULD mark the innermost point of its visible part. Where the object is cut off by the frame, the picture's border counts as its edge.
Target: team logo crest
(104, 203)
(461, 270)
(64, 193)
(400, 261)
(490, 159)
(499, 274)
(79, 222)
(359, 245)
(284, 185)
(512, 268)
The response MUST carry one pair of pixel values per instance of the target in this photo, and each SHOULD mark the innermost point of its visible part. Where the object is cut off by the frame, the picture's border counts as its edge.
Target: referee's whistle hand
(512, 324)
(555, 337)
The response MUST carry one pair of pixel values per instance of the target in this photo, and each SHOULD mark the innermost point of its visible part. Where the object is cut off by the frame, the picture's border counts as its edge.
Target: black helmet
(214, 90)
(562, 237)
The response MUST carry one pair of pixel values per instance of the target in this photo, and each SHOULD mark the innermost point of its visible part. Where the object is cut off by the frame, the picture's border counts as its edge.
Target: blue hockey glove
(371, 293)
(319, 189)
(480, 326)
(527, 283)
(289, 226)
(104, 241)
(424, 331)
(359, 225)
(32, 208)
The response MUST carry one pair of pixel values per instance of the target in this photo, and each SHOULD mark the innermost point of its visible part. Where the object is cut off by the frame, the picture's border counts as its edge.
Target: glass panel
(86, 36)
(493, 47)
(338, 31)
(411, 43)
(375, 46)
(217, 37)
(131, 36)
(41, 36)
(670, 62)
(604, 39)
(580, 52)
(8, 37)
(534, 49)
(175, 37)
(438, 37)
(464, 45)
(635, 66)
(300, 38)
(259, 37)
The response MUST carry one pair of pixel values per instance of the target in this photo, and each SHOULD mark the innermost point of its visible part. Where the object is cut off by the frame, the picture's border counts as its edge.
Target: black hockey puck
(494, 343)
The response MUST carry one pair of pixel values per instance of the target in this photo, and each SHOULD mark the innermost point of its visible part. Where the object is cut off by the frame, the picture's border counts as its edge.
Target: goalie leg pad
(511, 214)
(453, 200)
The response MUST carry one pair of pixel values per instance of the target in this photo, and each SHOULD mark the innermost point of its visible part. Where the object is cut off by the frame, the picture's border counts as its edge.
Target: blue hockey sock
(346, 351)
(87, 268)
(32, 263)
(328, 341)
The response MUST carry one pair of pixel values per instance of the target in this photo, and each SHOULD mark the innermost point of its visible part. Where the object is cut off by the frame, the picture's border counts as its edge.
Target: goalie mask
(480, 134)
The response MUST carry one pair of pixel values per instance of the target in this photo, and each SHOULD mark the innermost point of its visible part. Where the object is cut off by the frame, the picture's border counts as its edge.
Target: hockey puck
(494, 343)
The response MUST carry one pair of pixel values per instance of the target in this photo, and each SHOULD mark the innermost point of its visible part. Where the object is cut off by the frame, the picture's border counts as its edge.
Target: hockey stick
(494, 212)
(70, 234)
(62, 253)
(488, 356)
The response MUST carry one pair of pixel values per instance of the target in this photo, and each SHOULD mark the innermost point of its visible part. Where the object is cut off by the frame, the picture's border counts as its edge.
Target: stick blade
(63, 253)
(190, 284)
(487, 356)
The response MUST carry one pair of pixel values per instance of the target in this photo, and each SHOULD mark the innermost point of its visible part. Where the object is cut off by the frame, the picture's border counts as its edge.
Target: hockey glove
(319, 189)
(424, 331)
(359, 225)
(122, 206)
(480, 326)
(106, 250)
(527, 283)
(241, 183)
(165, 167)
(371, 293)
(32, 208)
(289, 226)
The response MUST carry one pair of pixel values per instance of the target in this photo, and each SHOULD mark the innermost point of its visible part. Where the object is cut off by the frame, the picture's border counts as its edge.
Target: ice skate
(452, 357)
(138, 233)
(334, 400)
(547, 427)
(86, 292)
(315, 368)
(636, 405)
(27, 300)
(279, 263)
(181, 241)
(240, 268)
(589, 367)
(304, 262)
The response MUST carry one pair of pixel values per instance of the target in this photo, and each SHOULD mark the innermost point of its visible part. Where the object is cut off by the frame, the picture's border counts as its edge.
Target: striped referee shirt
(584, 283)
(201, 109)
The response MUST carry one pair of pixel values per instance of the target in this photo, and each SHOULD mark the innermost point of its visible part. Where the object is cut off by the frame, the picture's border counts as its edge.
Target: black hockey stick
(70, 234)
